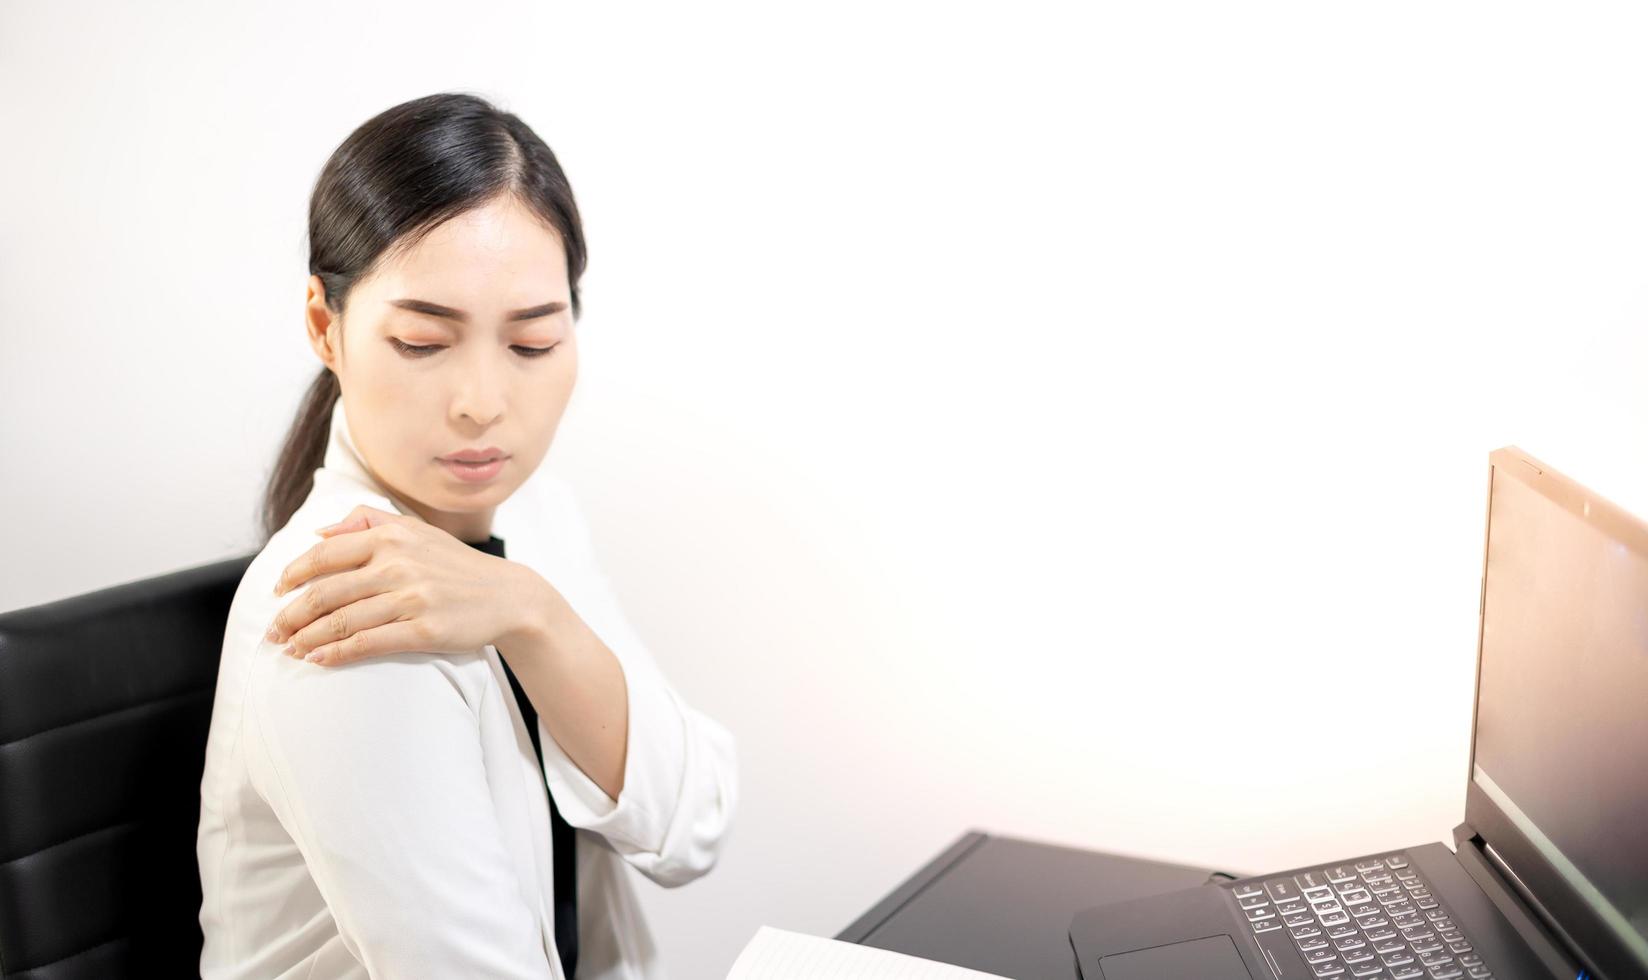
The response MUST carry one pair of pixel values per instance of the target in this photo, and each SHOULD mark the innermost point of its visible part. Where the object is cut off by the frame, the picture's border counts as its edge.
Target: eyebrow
(448, 313)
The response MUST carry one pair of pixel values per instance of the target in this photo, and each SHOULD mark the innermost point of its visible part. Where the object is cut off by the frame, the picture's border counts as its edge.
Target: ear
(359, 519)
(324, 329)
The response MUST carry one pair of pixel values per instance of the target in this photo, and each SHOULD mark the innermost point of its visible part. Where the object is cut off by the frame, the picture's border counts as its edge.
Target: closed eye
(413, 350)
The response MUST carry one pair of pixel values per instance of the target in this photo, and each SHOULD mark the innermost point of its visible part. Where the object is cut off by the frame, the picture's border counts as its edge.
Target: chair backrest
(105, 702)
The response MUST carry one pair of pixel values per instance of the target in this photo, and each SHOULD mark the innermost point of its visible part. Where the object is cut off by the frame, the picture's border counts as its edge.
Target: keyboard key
(1305, 932)
(1396, 861)
(1445, 971)
(1407, 972)
(1341, 872)
(1327, 969)
(1371, 865)
(1265, 925)
(1309, 879)
(1253, 901)
(1318, 941)
(1281, 890)
(1459, 946)
(1470, 959)
(1288, 908)
(1340, 932)
(1263, 912)
(1299, 919)
(1247, 888)
(1366, 970)
(1398, 958)
(1323, 955)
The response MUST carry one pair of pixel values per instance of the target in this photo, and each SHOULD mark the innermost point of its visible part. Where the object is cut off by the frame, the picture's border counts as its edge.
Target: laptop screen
(1562, 709)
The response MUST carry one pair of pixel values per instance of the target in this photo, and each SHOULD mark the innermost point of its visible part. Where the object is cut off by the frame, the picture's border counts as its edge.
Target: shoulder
(255, 602)
(274, 677)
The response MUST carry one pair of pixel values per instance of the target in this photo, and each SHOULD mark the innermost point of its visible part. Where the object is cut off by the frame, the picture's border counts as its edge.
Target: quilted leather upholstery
(105, 702)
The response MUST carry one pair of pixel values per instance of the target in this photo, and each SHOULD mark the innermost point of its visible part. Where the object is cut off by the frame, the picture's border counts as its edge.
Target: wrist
(534, 607)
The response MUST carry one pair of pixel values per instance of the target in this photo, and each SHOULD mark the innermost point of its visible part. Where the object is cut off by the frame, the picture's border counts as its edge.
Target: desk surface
(1003, 905)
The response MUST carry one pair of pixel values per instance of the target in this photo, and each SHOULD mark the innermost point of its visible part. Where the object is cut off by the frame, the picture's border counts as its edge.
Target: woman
(436, 741)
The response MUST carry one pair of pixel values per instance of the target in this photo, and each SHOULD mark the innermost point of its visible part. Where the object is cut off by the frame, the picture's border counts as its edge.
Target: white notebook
(778, 954)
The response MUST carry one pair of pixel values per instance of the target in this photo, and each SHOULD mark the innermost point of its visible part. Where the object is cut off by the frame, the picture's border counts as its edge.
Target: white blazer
(388, 817)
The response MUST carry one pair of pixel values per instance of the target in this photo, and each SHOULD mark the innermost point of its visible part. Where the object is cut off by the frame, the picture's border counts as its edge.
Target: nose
(479, 394)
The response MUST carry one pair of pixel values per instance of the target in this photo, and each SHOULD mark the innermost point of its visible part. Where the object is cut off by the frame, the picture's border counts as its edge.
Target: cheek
(566, 373)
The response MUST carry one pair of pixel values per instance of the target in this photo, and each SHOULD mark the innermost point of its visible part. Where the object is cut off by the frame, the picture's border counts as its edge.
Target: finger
(316, 601)
(363, 517)
(400, 636)
(342, 609)
(331, 555)
(349, 521)
(347, 524)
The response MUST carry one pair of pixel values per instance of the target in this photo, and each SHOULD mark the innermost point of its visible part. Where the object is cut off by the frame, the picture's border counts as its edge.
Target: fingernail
(288, 650)
(314, 656)
(270, 635)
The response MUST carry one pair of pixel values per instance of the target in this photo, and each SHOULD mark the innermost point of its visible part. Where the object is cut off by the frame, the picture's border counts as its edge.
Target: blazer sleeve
(375, 768)
(680, 770)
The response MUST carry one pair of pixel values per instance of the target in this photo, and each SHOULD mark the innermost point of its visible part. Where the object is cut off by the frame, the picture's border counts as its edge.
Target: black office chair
(105, 701)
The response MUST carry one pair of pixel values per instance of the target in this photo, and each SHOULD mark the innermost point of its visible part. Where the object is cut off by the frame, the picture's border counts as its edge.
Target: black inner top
(566, 863)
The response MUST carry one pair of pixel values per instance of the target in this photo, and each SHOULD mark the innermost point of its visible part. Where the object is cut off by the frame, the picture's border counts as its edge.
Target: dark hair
(391, 182)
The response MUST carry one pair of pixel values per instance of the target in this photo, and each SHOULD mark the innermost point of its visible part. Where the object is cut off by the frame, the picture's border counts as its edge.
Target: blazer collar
(342, 459)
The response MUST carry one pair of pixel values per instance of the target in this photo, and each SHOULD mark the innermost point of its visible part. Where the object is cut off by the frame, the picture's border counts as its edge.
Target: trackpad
(1213, 958)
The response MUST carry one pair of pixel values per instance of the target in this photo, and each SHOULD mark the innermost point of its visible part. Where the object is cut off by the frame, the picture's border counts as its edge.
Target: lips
(474, 455)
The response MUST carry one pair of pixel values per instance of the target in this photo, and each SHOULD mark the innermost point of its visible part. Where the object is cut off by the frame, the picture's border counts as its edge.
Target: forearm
(573, 680)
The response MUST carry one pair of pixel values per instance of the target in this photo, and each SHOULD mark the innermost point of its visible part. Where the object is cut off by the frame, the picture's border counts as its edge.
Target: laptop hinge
(1525, 914)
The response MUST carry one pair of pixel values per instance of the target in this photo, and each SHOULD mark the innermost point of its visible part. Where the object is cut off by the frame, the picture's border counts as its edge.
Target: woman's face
(501, 276)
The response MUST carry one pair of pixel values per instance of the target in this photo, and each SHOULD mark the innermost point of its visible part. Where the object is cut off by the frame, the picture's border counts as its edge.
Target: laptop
(1548, 872)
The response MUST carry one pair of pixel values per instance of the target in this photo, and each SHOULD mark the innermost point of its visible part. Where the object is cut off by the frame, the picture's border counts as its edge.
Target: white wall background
(1008, 419)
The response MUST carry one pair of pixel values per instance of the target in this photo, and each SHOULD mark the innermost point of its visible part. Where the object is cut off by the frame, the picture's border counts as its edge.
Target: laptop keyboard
(1376, 918)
